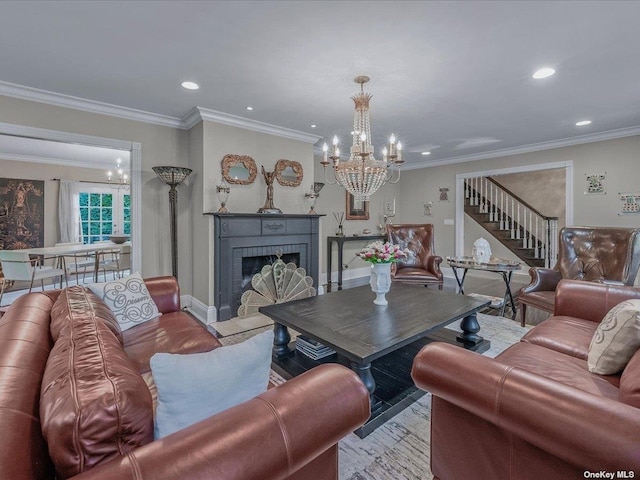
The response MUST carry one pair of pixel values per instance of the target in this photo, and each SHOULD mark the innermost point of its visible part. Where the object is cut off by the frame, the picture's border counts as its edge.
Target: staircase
(530, 235)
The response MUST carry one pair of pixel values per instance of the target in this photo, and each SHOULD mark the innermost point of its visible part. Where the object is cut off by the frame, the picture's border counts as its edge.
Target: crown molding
(77, 103)
(533, 147)
(197, 114)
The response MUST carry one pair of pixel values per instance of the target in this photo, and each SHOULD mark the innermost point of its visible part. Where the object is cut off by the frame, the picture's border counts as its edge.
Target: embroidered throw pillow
(616, 339)
(195, 386)
(128, 299)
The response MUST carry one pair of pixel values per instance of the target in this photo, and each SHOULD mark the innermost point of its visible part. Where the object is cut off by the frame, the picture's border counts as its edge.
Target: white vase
(380, 281)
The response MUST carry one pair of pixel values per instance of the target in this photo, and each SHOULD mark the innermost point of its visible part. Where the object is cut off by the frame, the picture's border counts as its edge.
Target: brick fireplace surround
(253, 235)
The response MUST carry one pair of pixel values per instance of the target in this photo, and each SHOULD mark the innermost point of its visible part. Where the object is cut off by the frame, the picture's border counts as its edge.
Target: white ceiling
(450, 77)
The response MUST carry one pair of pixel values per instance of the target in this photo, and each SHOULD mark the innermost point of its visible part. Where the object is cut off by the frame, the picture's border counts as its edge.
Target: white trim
(567, 165)
(17, 157)
(93, 106)
(205, 313)
(196, 114)
(136, 164)
(533, 147)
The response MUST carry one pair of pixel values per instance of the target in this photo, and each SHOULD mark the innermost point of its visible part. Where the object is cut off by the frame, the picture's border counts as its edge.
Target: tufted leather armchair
(422, 265)
(595, 254)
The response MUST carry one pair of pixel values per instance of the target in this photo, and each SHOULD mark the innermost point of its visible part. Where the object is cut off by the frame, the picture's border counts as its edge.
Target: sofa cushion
(616, 339)
(568, 335)
(193, 387)
(78, 301)
(94, 405)
(562, 368)
(175, 332)
(630, 382)
(129, 300)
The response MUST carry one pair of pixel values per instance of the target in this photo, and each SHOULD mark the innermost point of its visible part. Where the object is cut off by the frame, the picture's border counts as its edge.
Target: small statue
(268, 206)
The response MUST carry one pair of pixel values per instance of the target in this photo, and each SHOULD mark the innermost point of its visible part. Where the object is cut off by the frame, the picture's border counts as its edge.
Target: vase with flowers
(381, 256)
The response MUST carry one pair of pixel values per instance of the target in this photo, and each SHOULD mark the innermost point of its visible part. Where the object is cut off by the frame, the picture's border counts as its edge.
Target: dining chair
(117, 261)
(74, 262)
(17, 265)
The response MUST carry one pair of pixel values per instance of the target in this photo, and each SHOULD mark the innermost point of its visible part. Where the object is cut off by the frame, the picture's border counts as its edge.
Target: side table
(340, 241)
(496, 265)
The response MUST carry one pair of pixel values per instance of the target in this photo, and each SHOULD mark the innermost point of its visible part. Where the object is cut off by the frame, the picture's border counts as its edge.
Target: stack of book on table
(312, 348)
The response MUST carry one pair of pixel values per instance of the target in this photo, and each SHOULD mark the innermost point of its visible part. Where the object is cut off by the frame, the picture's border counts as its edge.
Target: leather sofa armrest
(542, 279)
(433, 264)
(581, 428)
(267, 438)
(165, 292)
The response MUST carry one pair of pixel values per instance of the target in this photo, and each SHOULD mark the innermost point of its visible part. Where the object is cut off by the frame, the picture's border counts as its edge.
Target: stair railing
(523, 222)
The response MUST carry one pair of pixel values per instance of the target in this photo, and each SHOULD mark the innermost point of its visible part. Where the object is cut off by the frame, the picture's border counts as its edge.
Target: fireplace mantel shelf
(267, 215)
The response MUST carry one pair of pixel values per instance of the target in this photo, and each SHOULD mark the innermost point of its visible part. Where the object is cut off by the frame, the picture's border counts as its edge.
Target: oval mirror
(239, 169)
(289, 173)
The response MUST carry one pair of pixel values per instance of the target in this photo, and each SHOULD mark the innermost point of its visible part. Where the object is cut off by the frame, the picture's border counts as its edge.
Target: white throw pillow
(192, 387)
(616, 339)
(128, 299)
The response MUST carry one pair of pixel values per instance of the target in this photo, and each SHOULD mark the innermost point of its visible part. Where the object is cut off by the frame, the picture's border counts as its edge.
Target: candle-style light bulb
(392, 139)
(399, 151)
(384, 154)
(325, 148)
(399, 146)
(335, 140)
(118, 161)
(109, 174)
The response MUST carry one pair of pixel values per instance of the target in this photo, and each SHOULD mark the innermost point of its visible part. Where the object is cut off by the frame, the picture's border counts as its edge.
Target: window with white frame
(104, 210)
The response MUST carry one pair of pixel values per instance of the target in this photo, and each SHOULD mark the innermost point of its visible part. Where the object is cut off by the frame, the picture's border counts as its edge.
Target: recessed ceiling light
(190, 85)
(582, 123)
(426, 153)
(250, 108)
(313, 125)
(543, 73)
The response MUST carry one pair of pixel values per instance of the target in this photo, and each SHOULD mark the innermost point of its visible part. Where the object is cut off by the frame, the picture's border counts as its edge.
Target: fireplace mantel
(237, 235)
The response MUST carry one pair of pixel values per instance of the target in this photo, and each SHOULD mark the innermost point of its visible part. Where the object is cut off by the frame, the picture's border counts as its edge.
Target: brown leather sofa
(422, 265)
(290, 431)
(535, 411)
(595, 254)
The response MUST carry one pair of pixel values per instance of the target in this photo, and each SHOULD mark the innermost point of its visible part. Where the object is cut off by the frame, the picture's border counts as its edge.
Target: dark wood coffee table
(377, 342)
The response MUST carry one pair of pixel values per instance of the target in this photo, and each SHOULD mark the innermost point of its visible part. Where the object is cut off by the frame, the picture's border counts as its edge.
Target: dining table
(58, 253)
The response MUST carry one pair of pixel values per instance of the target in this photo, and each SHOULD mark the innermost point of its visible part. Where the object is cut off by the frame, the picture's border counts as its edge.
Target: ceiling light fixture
(425, 153)
(122, 177)
(362, 174)
(582, 123)
(249, 107)
(543, 73)
(190, 85)
(313, 125)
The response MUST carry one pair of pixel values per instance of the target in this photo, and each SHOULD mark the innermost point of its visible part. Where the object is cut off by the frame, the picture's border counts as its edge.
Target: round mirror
(289, 173)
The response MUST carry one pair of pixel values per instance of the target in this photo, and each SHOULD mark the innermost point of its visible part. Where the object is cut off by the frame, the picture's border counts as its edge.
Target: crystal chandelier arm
(326, 180)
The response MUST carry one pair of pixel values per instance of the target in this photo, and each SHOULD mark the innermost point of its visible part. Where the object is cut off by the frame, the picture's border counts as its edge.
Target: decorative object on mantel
(381, 256)
(339, 216)
(481, 252)
(223, 190)
(312, 196)
(268, 206)
(288, 173)
(362, 174)
(277, 283)
(173, 176)
(239, 169)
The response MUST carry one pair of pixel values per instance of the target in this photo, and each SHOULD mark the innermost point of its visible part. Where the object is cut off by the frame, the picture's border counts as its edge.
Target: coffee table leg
(470, 328)
(281, 339)
(364, 372)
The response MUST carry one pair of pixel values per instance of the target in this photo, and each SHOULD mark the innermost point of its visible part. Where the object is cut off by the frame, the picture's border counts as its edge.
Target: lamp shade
(172, 175)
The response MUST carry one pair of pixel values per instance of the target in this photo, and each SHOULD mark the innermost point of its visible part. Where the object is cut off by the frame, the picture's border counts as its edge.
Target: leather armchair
(422, 265)
(595, 254)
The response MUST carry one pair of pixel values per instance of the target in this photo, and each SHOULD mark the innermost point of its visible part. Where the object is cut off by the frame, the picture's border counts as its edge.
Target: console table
(340, 241)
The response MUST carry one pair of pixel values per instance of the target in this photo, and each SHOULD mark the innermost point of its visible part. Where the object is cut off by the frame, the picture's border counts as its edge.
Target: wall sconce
(312, 196)
(223, 190)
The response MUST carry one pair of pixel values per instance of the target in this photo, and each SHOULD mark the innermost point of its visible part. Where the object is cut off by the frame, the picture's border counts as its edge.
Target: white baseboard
(203, 312)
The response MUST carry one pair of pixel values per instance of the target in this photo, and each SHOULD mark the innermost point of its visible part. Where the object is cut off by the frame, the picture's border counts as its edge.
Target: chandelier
(362, 174)
(121, 177)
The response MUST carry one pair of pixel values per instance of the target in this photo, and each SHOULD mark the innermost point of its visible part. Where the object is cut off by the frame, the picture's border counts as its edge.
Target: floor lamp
(173, 176)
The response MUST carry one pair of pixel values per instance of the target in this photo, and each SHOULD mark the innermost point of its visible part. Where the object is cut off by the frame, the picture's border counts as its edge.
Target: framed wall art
(629, 204)
(443, 194)
(595, 183)
(356, 210)
(21, 213)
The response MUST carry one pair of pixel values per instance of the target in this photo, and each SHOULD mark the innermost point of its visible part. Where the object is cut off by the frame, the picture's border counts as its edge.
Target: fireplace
(244, 243)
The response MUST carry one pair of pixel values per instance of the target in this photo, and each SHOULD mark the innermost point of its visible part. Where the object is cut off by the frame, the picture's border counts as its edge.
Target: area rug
(399, 449)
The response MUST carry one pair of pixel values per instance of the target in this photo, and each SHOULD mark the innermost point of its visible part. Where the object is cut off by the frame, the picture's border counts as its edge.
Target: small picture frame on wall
(356, 210)
(629, 204)
(443, 193)
(595, 183)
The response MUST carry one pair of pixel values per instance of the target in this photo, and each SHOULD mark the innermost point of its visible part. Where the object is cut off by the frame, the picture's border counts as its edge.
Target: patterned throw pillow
(616, 339)
(128, 299)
